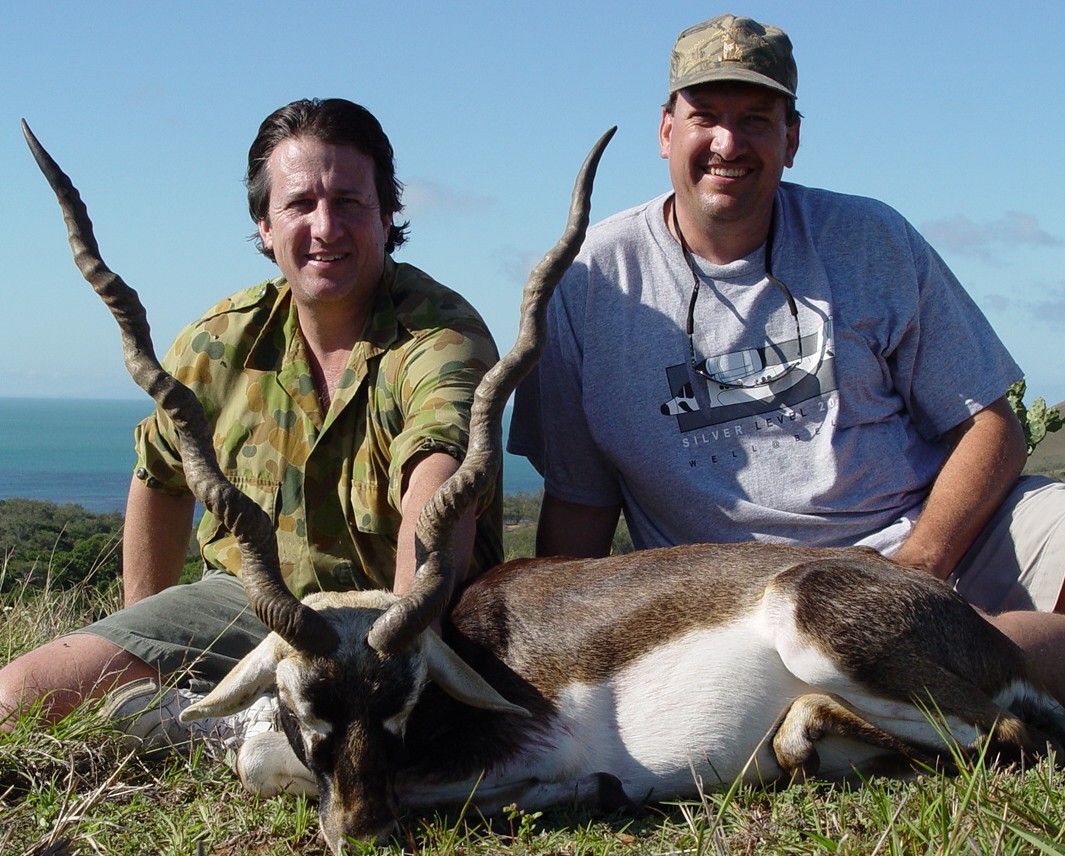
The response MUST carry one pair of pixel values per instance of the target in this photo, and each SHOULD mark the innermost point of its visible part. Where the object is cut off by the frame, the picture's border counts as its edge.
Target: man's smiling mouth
(728, 171)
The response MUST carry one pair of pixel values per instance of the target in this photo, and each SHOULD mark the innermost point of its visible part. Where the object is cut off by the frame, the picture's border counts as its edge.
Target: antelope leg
(815, 716)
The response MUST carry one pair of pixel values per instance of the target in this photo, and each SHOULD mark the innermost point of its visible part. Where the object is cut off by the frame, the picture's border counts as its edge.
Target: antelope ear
(458, 680)
(248, 680)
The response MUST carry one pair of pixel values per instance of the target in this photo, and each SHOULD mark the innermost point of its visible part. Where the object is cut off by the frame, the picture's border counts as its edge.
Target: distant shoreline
(79, 451)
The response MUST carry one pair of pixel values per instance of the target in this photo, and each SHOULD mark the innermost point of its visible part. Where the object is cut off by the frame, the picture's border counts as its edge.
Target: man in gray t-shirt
(743, 358)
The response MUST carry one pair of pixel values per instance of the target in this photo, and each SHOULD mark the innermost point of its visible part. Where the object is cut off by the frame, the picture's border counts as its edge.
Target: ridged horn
(273, 603)
(434, 580)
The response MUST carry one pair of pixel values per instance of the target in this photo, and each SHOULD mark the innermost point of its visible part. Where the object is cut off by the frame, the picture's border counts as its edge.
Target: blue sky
(952, 113)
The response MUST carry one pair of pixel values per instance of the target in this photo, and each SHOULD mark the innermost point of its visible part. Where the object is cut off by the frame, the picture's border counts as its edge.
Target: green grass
(70, 789)
(75, 794)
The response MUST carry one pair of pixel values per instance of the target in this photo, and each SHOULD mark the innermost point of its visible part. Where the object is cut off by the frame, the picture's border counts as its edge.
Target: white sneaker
(148, 716)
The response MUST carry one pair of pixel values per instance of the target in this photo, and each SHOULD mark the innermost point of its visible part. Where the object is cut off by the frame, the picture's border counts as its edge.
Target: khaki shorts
(193, 634)
(1018, 561)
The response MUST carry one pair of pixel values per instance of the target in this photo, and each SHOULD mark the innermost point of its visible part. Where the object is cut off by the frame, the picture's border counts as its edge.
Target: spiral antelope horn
(273, 603)
(434, 580)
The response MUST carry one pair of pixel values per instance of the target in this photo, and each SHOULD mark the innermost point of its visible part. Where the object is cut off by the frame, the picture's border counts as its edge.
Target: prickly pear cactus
(1037, 419)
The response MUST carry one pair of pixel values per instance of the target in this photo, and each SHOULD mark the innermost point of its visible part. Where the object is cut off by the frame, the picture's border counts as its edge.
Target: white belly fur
(707, 702)
(707, 699)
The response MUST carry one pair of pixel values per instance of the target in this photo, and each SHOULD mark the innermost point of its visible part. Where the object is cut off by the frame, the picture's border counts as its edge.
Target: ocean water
(81, 451)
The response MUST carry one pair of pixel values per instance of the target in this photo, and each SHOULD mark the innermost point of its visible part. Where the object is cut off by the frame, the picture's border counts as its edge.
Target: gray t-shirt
(841, 448)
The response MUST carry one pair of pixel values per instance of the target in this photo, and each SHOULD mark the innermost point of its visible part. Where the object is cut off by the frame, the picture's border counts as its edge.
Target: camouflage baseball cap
(731, 48)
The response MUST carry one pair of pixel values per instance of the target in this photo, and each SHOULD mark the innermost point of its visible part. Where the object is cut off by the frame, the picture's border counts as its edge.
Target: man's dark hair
(337, 122)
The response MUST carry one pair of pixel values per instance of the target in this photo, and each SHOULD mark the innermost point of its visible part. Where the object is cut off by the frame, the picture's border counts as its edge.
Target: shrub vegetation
(61, 544)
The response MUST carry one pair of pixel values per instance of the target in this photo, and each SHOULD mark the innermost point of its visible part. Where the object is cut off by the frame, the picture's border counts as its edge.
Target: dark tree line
(59, 544)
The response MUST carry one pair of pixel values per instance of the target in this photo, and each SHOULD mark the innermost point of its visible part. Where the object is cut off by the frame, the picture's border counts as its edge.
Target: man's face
(727, 145)
(325, 224)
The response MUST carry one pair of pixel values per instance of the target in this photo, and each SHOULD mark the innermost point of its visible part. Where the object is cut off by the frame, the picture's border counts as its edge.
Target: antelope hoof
(611, 795)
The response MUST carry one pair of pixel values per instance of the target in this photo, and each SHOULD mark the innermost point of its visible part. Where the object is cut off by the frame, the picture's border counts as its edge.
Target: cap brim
(724, 74)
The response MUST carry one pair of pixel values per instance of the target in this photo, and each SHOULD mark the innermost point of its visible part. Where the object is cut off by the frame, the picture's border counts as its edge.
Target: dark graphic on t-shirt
(803, 370)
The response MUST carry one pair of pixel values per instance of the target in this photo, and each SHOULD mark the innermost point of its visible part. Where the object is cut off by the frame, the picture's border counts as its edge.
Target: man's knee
(55, 678)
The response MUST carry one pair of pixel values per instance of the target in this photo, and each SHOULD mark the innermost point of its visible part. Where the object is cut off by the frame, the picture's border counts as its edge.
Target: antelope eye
(290, 724)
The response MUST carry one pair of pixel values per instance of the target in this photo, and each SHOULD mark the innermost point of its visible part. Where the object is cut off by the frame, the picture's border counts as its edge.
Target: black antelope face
(345, 718)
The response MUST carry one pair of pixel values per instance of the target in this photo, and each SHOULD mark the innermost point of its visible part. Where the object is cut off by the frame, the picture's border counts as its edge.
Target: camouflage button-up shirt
(330, 481)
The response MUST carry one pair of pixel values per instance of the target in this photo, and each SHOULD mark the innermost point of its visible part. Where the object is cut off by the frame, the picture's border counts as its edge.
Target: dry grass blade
(77, 808)
(891, 824)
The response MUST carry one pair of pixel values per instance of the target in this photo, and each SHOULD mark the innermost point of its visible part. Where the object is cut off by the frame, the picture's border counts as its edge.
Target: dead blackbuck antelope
(638, 677)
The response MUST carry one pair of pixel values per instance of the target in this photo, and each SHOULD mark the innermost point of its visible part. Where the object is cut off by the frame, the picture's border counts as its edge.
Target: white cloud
(516, 265)
(1048, 308)
(428, 199)
(964, 236)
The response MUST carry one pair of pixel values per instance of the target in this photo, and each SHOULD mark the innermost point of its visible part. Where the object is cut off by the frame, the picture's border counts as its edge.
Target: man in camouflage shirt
(339, 397)
(405, 392)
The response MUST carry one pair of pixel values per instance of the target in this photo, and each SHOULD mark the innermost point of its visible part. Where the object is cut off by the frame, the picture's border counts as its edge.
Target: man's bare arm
(155, 540)
(570, 529)
(987, 454)
(426, 475)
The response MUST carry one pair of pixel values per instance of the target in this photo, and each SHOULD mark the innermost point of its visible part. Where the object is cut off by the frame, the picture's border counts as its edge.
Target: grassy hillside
(72, 790)
(1049, 456)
